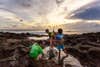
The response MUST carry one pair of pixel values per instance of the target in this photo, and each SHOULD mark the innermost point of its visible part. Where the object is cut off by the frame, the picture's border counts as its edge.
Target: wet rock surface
(13, 50)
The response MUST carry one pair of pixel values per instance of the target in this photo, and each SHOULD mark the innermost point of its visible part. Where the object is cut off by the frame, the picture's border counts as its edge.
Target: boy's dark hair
(60, 30)
(47, 30)
(39, 41)
(51, 54)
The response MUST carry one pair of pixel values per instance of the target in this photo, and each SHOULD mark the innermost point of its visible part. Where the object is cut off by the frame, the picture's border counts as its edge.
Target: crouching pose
(36, 51)
(52, 53)
(66, 59)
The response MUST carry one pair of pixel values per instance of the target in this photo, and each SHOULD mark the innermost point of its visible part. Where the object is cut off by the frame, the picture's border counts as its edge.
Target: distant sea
(40, 32)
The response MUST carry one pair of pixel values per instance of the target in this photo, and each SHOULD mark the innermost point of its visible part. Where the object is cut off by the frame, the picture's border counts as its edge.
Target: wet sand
(13, 49)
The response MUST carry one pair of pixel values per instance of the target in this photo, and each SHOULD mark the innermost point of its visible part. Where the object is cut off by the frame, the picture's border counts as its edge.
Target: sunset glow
(41, 14)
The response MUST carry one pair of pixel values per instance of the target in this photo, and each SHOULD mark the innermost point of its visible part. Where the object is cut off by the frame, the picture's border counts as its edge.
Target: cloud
(13, 11)
(83, 26)
(89, 12)
(65, 9)
(28, 9)
(34, 13)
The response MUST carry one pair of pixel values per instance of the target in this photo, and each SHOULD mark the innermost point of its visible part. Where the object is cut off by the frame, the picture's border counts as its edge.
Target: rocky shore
(13, 49)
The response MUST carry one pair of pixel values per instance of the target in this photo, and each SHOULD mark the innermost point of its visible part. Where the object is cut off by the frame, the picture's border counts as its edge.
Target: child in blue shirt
(59, 38)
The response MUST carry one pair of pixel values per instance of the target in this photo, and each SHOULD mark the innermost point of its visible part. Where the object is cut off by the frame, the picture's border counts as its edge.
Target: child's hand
(39, 57)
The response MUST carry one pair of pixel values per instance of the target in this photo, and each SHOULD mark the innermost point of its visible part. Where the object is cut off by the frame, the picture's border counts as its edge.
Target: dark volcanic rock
(13, 50)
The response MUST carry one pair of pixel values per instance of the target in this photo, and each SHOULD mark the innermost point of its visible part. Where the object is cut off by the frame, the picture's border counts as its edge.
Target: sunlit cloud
(31, 14)
(8, 15)
(66, 9)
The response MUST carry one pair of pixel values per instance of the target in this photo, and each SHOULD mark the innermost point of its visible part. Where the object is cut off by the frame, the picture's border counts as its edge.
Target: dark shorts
(59, 47)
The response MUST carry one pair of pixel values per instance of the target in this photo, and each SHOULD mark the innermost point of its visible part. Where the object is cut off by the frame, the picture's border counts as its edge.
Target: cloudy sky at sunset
(77, 15)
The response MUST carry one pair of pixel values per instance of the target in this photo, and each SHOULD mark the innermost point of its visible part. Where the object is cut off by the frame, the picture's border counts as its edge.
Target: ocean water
(41, 32)
(32, 32)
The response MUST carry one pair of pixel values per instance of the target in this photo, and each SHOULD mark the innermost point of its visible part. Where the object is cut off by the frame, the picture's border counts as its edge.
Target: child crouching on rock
(36, 50)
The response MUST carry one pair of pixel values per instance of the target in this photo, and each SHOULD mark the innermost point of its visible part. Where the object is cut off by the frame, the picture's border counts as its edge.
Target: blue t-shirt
(59, 36)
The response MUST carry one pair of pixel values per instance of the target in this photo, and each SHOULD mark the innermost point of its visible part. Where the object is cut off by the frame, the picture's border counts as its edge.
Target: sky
(73, 15)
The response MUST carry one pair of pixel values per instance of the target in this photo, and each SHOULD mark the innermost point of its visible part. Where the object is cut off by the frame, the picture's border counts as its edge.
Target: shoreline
(43, 32)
